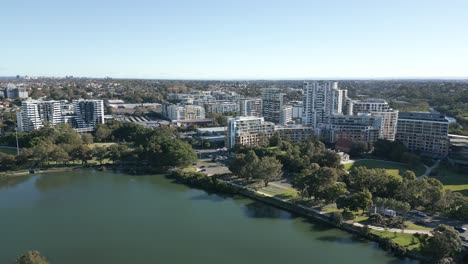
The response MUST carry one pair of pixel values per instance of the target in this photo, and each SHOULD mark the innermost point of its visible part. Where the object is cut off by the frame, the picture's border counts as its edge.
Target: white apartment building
(247, 130)
(250, 107)
(424, 132)
(286, 115)
(185, 112)
(35, 114)
(379, 107)
(321, 100)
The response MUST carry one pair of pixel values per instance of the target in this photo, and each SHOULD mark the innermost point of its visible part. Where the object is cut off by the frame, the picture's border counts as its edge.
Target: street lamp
(17, 143)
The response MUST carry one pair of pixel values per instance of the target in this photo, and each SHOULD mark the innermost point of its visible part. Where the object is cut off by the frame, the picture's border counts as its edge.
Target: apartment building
(378, 107)
(424, 132)
(272, 103)
(321, 100)
(357, 128)
(250, 107)
(35, 114)
(185, 112)
(88, 114)
(247, 130)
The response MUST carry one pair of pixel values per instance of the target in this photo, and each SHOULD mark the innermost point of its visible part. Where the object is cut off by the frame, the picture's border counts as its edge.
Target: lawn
(280, 192)
(104, 145)
(8, 150)
(453, 180)
(413, 226)
(405, 240)
(390, 167)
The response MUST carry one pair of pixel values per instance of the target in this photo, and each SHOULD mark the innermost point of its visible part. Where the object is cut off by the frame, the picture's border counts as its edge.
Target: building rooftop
(211, 129)
(432, 116)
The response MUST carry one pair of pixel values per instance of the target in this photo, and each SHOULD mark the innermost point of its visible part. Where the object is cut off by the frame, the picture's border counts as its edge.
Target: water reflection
(9, 182)
(48, 182)
(256, 209)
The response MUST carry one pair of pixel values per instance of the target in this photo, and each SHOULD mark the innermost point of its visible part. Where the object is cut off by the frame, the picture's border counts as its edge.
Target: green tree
(355, 202)
(249, 171)
(7, 162)
(236, 165)
(103, 133)
(87, 138)
(445, 242)
(269, 169)
(31, 257)
(100, 153)
(408, 175)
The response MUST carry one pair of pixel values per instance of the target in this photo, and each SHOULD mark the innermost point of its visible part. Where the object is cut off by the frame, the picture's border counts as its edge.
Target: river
(101, 217)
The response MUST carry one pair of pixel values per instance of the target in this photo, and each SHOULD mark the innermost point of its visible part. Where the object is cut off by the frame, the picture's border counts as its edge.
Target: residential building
(88, 114)
(369, 106)
(35, 114)
(296, 111)
(211, 134)
(358, 128)
(222, 107)
(321, 100)
(424, 132)
(286, 115)
(250, 107)
(12, 92)
(296, 133)
(378, 107)
(247, 130)
(272, 103)
(185, 112)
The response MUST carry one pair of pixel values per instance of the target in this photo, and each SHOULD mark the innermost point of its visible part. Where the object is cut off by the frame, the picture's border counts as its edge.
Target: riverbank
(210, 184)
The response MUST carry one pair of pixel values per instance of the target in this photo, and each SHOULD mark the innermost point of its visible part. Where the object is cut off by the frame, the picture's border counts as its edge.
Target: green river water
(102, 217)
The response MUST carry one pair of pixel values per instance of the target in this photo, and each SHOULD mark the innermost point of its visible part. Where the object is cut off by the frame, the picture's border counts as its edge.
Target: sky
(235, 39)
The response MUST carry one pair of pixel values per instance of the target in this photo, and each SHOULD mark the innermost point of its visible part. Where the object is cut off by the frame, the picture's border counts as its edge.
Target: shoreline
(221, 186)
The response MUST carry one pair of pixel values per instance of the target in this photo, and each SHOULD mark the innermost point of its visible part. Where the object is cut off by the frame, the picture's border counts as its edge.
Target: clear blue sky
(235, 39)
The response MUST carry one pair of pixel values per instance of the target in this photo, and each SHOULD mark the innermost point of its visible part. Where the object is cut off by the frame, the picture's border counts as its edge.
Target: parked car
(421, 214)
(460, 229)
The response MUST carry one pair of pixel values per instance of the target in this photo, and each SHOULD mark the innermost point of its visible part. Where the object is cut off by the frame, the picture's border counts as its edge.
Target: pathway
(406, 231)
(429, 169)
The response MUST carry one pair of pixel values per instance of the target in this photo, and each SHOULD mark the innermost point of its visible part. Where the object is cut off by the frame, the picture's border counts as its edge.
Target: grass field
(390, 167)
(280, 192)
(453, 180)
(405, 240)
(7, 150)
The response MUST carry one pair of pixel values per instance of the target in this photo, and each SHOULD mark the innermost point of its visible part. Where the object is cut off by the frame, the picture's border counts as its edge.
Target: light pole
(17, 143)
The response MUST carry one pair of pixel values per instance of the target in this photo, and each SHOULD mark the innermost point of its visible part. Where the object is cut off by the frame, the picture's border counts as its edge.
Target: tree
(333, 192)
(316, 182)
(32, 257)
(269, 169)
(87, 138)
(100, 153)
(237, 164)
(358, 149)
(275, 140)
(103, 133)
(250, 169)
(408, 175)
(58, 155)
(445, 242)
(355, 202)
(7, 162)
(82, 153)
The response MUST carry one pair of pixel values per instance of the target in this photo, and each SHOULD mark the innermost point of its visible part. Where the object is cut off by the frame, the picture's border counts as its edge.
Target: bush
(336, 218)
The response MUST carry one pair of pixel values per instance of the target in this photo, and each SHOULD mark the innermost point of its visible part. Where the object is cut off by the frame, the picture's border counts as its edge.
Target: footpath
(315, 211)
